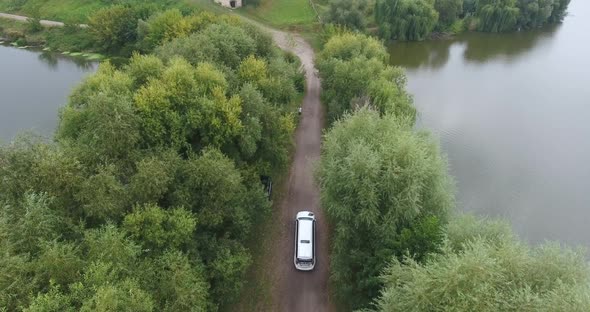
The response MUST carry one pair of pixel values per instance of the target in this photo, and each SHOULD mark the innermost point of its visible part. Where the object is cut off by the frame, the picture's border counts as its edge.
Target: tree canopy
(491, 270)
(386, 191)
(355, 73)
(405, 19)
(146, 198)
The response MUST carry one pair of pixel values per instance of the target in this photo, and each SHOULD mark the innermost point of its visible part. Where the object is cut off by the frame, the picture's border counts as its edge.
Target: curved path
(293, 290)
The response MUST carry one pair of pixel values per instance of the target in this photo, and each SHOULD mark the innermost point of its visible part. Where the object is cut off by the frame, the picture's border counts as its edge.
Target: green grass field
(77, 11)
(282, 13)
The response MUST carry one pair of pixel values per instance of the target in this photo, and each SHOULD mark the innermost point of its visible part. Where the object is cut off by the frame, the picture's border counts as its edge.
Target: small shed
(230, 3)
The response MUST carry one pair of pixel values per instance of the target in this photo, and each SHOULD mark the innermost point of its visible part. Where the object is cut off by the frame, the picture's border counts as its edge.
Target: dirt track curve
(294, 290)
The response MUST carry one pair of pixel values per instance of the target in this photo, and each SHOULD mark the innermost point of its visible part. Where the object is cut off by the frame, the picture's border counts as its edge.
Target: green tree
(559, 10)
(156, 229)
(497, 15)
(52, 301)
(177, 283)
(355, 74)
(534, 13)
(489, 272)
(405, 19)
(218, 43)
(387, 193)
(113, 27)
(448, 11)
(348, 13)
(125, 296)
(163, 27)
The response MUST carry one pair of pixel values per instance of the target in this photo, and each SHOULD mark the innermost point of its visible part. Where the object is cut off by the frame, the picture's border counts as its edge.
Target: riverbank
(72, 40)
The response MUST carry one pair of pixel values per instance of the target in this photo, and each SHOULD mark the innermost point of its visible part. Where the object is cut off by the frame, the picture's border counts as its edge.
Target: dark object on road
(267, 183)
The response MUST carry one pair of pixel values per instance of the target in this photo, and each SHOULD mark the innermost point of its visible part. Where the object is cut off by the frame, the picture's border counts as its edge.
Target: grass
(77, 11)
(282, 13)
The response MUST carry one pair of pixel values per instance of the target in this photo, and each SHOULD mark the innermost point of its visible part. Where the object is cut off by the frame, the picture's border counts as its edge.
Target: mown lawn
(282, 13)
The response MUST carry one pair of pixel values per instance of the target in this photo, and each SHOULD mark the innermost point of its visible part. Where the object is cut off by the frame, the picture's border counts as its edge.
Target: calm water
(33, 85)
(512, 112)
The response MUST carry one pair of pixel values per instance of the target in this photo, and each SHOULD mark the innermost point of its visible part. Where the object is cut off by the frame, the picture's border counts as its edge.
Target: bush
(34, 25)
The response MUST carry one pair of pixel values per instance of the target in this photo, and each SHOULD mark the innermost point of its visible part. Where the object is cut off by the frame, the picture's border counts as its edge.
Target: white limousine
(304, 257)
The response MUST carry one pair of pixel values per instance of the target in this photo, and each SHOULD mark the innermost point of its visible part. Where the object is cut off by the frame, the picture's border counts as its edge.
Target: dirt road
(294, 290)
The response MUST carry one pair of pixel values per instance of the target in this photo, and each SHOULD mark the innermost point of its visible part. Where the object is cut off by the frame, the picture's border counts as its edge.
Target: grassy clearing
(77, 11)
(282, 13)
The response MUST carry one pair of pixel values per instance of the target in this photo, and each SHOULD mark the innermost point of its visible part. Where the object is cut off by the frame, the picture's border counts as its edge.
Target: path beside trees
(293, 290)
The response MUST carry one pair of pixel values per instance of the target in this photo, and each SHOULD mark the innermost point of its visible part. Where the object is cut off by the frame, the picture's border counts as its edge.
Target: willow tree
(355, 73)
(497, 15)
(405, 19)
(386, 191)
(483, 267)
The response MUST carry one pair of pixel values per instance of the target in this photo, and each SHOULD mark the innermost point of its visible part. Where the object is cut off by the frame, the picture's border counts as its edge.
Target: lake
(512, 113)
(33, 86)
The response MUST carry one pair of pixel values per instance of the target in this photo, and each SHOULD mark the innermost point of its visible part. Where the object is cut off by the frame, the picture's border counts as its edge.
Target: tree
(497, 15)
(157, 229)
(448, 11)
(348, 13)
(559, 10)
(387, 193)
(405, 19)
(113, 27)
(178, 284)
(163, 27)
(355, 74)
(218, 43)
(489, 272)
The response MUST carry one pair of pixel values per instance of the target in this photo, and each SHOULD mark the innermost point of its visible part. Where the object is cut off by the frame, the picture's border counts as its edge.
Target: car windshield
(305, 241)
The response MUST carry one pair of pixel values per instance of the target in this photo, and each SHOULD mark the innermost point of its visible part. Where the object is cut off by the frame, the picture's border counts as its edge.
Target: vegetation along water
(510, 112)
(148, 196)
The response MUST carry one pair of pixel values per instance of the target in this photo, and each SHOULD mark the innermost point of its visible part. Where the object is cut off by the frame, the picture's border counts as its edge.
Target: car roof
(305, 233)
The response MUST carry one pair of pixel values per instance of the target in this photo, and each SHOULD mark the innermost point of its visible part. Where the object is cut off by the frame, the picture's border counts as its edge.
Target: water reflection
(511, 111)
(482, 48)
(50, 59)
(431, 54)
(479, 48)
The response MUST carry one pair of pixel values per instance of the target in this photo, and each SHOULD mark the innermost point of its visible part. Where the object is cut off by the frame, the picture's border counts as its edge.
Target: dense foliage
(509, 15)
(449, 11)
(386, 191)
(417, 19)
(355, 73)
(147, 198)
(483, 267)
(348, 13)
(405, 19)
